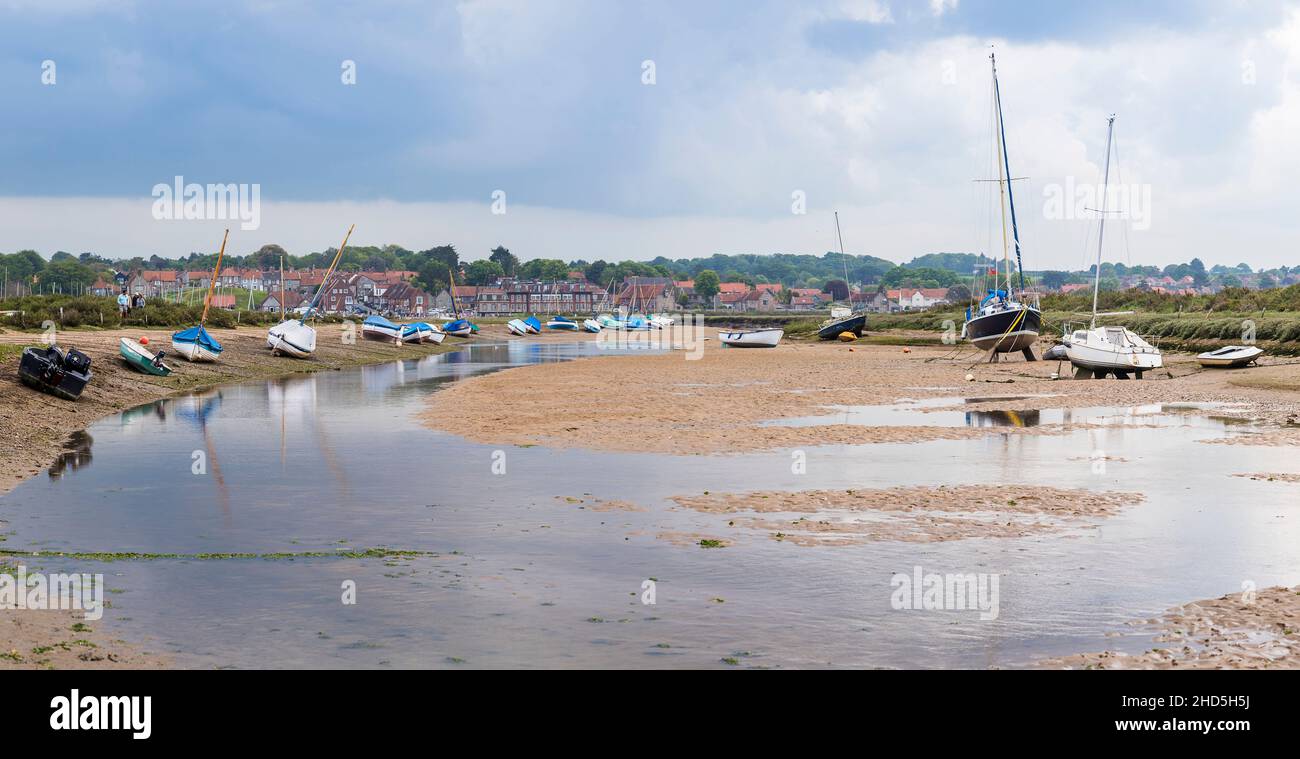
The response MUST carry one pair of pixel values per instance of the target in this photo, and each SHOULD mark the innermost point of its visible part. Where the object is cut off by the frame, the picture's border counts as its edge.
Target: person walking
(123, 305)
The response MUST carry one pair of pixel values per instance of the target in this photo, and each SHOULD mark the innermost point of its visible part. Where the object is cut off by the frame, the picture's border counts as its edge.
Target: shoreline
(40, 427)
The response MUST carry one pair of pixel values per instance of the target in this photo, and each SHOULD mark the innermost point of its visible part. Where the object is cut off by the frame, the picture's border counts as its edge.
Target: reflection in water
(1002, 418)
(75, 455)
(519, 574)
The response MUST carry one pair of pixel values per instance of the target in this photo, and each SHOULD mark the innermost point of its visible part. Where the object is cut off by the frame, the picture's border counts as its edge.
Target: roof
(160, 275)
(776, 288)
(1074, 287)
(932, 293)
(460, 291)
(733, 287)
(223, 301)
(733, 297)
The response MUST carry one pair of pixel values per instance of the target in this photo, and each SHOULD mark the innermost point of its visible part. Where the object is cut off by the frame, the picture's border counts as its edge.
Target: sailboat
(293, 336)
(842, 319)
(1098, 351)
(195, 343)
(378, 328)
(460, 327)
(1004, 321)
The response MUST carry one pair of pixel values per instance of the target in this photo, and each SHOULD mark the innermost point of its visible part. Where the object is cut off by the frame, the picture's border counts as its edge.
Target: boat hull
(517, 327)
(757, 338)
(591, 325)
(1009, 331)
(1100, 358)
(1233, 357)
(565, 326)
(434, 336)
(192, 351)
(832, 330)
(292, 338)
(142, 359)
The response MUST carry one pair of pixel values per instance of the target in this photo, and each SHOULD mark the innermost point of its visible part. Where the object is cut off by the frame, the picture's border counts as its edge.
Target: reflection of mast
(223, 493)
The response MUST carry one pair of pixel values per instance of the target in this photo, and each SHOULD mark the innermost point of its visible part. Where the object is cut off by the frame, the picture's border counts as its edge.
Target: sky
(587, 129)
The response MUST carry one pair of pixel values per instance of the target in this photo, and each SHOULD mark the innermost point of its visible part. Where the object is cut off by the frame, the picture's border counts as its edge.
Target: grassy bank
(90, 312)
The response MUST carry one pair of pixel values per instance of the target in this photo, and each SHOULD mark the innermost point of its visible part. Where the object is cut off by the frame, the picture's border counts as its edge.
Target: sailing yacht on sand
(294, 337)
(1004, 322)
(1098, 351)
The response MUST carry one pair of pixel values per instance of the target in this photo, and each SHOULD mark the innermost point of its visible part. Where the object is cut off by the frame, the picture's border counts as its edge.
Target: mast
(281, 287)
(216, 272)
(1004, 184)
(325, 280)
(1101, 224)
(1006, 165)
(454, 303)
(843, 258)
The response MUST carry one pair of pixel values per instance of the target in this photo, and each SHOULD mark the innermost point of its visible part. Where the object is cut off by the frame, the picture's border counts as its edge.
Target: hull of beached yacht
(1007, 331)
(292, 338)
(1111, 350)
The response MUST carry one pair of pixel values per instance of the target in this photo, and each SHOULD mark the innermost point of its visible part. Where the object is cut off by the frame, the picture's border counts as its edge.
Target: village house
(647, 294)
(153, 283)
(404, 299)
(101, 288)
(913, 299)
(875, 302)
(292, 300)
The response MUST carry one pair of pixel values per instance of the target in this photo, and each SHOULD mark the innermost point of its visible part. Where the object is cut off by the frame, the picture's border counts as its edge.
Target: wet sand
(1238, 631)
(666, 403)
(911, 514)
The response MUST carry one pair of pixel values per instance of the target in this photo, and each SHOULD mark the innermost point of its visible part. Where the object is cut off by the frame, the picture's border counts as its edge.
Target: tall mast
(1101, 225)
(1006, 165)
(216, 272)
(325, 280)
(843, 258)
(1004, 183)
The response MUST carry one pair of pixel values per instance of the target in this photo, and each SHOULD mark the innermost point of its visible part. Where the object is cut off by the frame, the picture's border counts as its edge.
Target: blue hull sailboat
(195, 343)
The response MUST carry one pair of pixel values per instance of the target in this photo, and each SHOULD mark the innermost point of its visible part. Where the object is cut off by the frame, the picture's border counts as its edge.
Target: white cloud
(870, 11)
(940, 7)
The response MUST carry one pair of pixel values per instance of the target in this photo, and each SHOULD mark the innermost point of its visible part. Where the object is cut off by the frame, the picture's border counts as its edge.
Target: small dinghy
(459, 328)
(379, 328)
(52, 371)
(142, 359)
(1230, 357)
(533, 324)
(1056, 353)
(517, 327)
(562, 323)
(420, 332)
(591, 325)
(752, 338)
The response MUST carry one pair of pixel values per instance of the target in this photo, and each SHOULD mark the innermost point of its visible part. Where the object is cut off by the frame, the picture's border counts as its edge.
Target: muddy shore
(721, 402)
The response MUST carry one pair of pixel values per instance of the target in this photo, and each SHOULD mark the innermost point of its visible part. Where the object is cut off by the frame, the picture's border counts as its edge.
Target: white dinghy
(1230, 357)
(752, 338)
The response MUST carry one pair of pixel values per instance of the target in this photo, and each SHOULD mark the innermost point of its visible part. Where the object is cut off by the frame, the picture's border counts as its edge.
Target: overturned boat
(517, 327)
(53, 371)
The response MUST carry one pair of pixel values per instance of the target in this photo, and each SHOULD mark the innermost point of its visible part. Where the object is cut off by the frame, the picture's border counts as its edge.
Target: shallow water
(522, 575)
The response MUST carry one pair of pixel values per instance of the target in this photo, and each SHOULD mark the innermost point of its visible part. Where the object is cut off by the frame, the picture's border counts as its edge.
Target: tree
(483, 272)
(507, 260)
(65, 275)
(1198, 272)
(707, 284)
(1053, 280)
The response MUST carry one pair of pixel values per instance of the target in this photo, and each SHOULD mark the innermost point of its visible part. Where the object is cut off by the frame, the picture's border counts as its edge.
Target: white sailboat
(294, 337)
(1098, 351)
